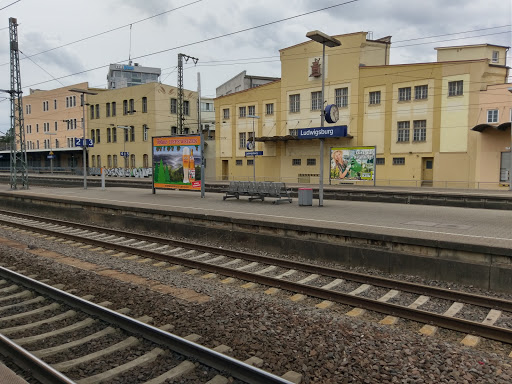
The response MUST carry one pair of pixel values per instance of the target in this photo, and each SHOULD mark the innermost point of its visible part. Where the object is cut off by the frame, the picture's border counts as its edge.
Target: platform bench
(258, 191)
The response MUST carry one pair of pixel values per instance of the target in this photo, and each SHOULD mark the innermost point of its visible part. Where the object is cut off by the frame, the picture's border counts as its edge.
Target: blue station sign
(323, 133)
(254, 153)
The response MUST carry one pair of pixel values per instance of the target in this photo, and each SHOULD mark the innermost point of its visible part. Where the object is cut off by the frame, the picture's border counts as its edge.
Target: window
(294, 103)
(92, 112)
(186, 107)
(316, 101)
(37, 128)
(492, 116)
(495, 56)
(341, 97)
(225, 113)
(420, 130)
(174, 106)
(242, 139)
(269, 109)
(55, 124)
(132, 106)
(404, 94)
(28, 128)
(421, 92)
(252, 110)
(174, 130)
(28, 109)
(250, 162)
(113, 108)
(455, 88)
(398, 160)
(375, 98)
(99, 161)
(125, 107)
(239, 162)
(144, 105)
(92, 135)
(380, 161)
(296, 161)
(45, 106)
(145, 131)
(73, 100)
(132, 133)
(403, 131)
(109, 161)
(206, 107)
(109, 136)
(37, 142)
(241, 112)
(67, 101)
(107, 110)
(145, 161)
(126, 135)
(56, 143)
(97, 111)
(93, 158)
(54, 103)
(114, 135)
(311, 162)
(98, 136)
(114, 162)
(132, 161)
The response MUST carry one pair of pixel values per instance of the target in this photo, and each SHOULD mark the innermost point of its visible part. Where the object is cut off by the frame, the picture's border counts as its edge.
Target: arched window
(109, 161)
(145, 161)
(99, 161)
(132, 161)
(93, 161)
(115, 160)
(109, 137)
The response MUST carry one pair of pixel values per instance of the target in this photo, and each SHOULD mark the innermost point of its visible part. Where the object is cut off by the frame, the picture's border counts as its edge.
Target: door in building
(225, 169)
(427, 171)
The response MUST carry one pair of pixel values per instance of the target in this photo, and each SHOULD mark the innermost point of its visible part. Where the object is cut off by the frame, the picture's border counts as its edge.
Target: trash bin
(305, 196)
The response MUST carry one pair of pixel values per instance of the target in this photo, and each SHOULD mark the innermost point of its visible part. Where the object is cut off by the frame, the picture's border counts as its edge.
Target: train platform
(468, 226)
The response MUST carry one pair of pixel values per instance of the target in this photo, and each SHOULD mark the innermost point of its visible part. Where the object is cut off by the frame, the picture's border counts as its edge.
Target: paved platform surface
(9, 377)
(484, 227)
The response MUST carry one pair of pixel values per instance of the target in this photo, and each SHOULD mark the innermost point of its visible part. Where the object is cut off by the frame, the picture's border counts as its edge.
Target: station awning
(483, 127)
(288, 138)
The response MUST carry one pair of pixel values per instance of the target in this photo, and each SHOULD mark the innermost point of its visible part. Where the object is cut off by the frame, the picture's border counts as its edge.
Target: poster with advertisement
(352, 163)
(177, 162)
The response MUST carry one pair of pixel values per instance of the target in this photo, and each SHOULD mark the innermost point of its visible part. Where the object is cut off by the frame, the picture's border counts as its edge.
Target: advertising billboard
(177, 162)
(352, 163)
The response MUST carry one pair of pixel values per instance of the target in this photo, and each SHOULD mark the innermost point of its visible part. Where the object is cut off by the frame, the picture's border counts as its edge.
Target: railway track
(395, 299)
(62, 338)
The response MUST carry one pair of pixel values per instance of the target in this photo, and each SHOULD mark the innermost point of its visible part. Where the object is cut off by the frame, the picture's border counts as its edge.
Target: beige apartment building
(53, 119)
(123, 121)
(418, 116)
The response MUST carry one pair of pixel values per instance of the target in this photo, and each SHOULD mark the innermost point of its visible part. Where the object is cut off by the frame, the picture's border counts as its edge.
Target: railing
(401, 183)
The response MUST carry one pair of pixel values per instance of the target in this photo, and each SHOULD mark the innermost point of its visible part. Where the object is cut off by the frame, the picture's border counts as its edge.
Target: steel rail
(38, 368)
(420, 289)
(208, 357)
(466, 326)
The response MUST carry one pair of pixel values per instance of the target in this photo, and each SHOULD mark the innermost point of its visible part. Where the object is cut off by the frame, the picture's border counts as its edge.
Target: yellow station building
(418, 116)
(124, 120)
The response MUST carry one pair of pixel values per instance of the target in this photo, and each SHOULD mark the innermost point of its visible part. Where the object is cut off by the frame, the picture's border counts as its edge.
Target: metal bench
(258, 191)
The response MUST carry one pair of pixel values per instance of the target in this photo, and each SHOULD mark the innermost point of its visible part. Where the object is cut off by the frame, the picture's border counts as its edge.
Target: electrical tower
(17, 131)
(181, 118)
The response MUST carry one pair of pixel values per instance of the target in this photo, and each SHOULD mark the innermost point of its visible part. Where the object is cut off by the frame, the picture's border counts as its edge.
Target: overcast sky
(75, 41)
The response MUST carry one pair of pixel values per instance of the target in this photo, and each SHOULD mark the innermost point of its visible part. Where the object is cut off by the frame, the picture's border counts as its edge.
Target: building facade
(418, 116)
(241, 82)
(53, 119)
(121, 75)
(123, 121)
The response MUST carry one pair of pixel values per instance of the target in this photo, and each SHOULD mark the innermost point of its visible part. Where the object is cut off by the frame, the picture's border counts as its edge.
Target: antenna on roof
(130, 49)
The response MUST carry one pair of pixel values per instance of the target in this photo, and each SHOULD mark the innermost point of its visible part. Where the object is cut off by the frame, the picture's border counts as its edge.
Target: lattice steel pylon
(181, 117)
(17, 131)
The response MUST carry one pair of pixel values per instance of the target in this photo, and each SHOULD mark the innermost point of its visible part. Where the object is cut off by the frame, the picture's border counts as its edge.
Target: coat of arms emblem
(316, 68)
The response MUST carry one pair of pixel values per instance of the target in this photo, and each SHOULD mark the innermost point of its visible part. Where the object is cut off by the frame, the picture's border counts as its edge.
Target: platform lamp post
(331, 42)
(510, 148)
(51, 150)
(253, 147)
(83, 92)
